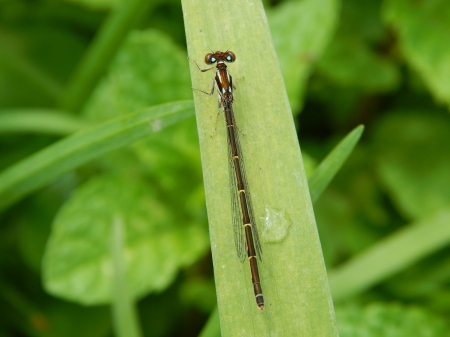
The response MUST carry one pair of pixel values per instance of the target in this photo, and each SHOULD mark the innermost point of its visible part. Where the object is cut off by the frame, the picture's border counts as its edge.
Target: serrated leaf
(421, 27)
(301, 30)
(77, 264)
(413, 162)
(389, 320)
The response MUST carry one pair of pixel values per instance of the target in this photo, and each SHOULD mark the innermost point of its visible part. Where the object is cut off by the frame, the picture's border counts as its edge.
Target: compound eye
(230, 56)
(210, 59)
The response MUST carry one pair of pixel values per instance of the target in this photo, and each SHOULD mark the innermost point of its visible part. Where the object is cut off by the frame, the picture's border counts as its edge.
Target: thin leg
(209, 93)
(232, 84)
(212, 89)
(202, 70)
(217, 121)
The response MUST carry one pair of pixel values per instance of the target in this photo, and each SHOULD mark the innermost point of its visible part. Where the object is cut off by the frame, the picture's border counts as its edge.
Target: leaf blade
(328, 168)
(67, 154)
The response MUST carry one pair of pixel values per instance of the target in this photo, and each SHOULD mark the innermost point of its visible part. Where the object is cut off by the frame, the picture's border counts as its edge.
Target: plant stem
(101, 51)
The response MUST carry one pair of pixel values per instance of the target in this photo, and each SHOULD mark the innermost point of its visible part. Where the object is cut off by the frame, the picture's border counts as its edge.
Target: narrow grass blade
(391, 255)
(124, 311)
(50, 163)
(212, 326)
(16, 62)
(42, 121)
(102, 50)
(317, 184)
(291, 249)
(328, 168)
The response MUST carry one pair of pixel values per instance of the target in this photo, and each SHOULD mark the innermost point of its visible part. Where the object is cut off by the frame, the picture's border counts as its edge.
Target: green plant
(97, 138)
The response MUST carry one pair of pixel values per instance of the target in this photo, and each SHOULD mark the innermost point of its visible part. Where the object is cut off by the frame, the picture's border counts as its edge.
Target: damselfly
(244, 225)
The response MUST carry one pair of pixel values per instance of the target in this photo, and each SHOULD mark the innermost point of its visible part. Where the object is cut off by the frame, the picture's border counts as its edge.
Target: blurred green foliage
(389, 320)
(383, 64)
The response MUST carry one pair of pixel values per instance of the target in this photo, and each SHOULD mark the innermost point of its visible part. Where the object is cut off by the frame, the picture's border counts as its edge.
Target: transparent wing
(248, 194)
(238, 228)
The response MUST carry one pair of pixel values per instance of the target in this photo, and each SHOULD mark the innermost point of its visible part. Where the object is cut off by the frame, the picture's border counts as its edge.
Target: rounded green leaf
(77, 264)
(149, 69)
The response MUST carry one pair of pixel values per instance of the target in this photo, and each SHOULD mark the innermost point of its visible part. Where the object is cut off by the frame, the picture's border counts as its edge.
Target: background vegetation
(384, 222)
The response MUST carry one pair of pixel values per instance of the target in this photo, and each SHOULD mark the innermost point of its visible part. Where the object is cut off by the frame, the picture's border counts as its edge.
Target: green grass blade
(39, 121)
(292, 258)
(14, 61)
(328, 168)
(212, 326)
(67, 154)
(124, 311)
(391, 255)
(318, 182)
(102, 50)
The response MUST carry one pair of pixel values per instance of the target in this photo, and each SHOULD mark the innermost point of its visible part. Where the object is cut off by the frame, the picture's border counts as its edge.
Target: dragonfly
(245, 231)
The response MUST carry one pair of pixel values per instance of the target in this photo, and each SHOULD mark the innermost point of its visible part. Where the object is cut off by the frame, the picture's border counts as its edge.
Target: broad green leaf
(413, 162)
(149, 69)
(328, 168)
(172, 162)
(77, 264)
(389, 320)
(348, 57)
(67, 154)
(275, 174)
(39, 121)
(34, 223)
(102, 50)
(391, 255)
(301, 31)
(421, 28)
